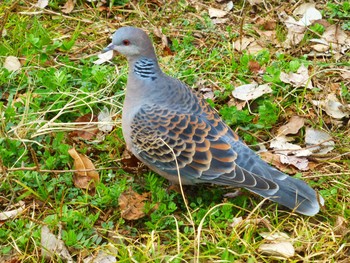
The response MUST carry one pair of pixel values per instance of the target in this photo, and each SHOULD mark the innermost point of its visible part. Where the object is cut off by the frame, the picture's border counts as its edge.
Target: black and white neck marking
(146, 68)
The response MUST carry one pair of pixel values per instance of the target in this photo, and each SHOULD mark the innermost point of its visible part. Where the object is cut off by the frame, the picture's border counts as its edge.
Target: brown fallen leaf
(293, 126)
(86, 131)
(166, 42)
(132, 204)
(255, 67)
(131, 164)
(68, 6)
(82, 178)
(275, 160)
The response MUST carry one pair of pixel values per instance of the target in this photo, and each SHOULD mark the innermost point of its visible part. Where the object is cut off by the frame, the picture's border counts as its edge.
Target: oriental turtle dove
(174, 131)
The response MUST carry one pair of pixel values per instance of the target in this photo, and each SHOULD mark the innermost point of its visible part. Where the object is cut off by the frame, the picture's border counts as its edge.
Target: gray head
(132, 42)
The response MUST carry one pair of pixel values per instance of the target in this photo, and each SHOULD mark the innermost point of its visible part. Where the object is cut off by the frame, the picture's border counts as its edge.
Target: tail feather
(296, 195)
(292, 193)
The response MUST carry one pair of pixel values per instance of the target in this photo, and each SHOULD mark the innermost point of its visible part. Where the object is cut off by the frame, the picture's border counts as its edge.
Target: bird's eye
(126, 42)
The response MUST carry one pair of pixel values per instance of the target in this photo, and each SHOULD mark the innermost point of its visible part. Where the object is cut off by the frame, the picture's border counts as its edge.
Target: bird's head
(131, 42)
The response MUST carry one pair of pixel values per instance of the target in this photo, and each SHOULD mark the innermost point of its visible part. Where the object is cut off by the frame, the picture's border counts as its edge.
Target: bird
(177, 134)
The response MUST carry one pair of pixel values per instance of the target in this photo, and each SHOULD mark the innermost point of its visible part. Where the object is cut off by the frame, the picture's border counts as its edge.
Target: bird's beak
(108, 48)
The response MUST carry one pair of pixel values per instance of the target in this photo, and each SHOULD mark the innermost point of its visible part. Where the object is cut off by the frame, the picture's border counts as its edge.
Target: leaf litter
(132, 204)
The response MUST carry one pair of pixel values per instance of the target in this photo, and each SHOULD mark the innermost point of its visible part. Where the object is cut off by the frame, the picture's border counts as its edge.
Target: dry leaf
(251, 91)
(102, 257)
(51, 246)
(281, 249)
(12, 213)
(293, 126)
(254, 47)
(83, 179)
(103, 57)
(231, 194)
(309, 13)
(299, 79)
(275, 236)
(299, 162)
(131, 164)
(275, 160)
(242, 43)
(207, 93)
(132, 204)
(166, 42)
(321, 140)
(282, 145)
(42, 3)
(68, 6)
(12, 63)
(278, 244)
(219, 20)
(229, 6)
(334, 34)
(333, 38)
(255, 2)
(216, 13)
(268, 25)
(239, 104)
(105, 122)
(333, 107)
(254, 67)
(346, 74)
(296, 29)
(86, 130)
(236, 221)
(341, 226)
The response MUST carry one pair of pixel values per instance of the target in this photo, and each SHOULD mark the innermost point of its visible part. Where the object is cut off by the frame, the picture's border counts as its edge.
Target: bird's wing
(199, 146)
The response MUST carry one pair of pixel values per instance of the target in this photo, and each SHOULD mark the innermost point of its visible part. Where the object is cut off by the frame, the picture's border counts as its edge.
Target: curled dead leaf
(85, 177)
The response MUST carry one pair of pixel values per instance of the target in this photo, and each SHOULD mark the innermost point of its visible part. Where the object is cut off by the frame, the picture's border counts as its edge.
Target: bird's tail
(294, 194)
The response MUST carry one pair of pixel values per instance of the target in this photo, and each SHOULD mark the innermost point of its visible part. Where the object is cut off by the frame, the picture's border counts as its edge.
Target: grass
(58, 83)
